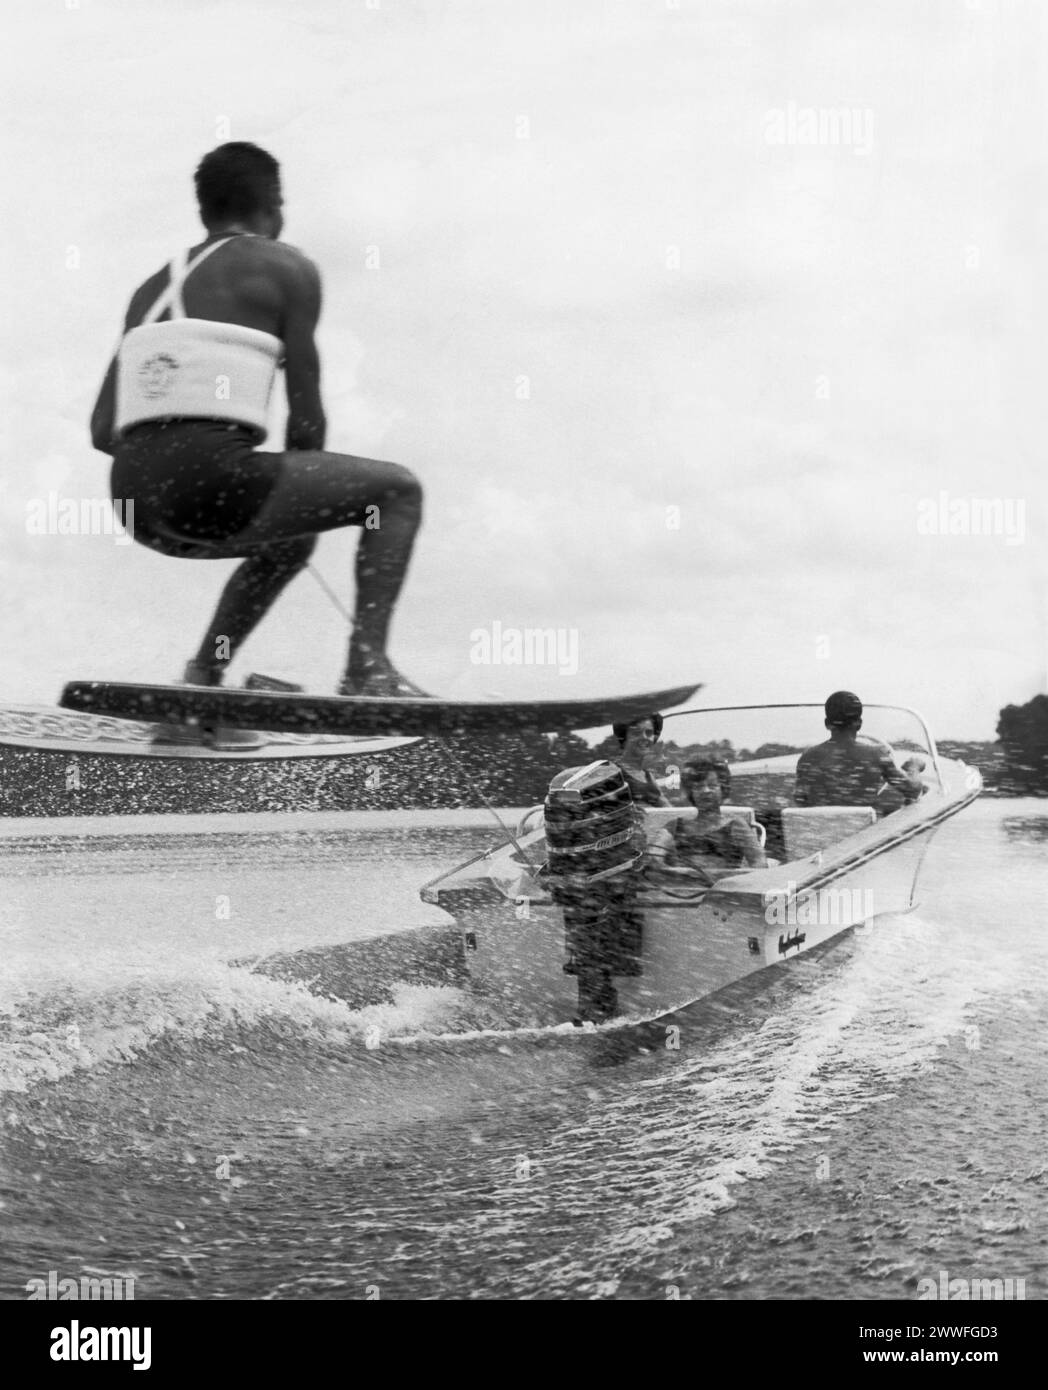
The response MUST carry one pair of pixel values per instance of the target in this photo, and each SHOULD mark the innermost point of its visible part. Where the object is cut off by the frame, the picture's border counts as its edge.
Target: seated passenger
(636, 741)
(844, 772)
(707, 845)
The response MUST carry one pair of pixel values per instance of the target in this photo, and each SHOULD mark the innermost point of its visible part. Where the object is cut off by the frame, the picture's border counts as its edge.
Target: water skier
(183, 410)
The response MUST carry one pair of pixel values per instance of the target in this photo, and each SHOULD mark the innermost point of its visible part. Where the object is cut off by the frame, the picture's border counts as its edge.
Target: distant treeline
(1023, 734)
(670, 754)
(507, 770)
(1017, 765)
(515, 769)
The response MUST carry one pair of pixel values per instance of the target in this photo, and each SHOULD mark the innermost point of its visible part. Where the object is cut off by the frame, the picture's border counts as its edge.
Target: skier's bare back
(183, 409)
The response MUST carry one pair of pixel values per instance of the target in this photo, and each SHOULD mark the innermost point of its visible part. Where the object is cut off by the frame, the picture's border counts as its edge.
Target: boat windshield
(761, 745)
(764, 741)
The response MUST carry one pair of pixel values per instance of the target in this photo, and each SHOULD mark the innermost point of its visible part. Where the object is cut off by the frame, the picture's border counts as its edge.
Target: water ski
(333, 715)
(51, 730)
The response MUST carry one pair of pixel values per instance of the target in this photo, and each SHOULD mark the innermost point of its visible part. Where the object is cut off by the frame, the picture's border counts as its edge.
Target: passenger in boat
(636, 741)
(844, 772)
(709, 844)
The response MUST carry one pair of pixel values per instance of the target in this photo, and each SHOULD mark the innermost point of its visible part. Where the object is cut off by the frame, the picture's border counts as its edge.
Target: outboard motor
(594, 838)
(591, 828)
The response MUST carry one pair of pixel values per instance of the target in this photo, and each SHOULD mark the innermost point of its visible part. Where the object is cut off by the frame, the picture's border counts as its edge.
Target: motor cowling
(592, 828)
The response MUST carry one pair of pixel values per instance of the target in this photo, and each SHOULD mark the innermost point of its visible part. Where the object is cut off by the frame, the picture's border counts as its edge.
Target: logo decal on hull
(796, 938)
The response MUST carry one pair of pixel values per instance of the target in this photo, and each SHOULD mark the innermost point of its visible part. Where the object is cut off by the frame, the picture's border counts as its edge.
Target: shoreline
(249, 822)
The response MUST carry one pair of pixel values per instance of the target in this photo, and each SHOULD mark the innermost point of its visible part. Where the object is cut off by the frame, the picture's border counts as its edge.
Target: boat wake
(441, 1144)
(329, 997)
(53, 1036)
(835, 1038)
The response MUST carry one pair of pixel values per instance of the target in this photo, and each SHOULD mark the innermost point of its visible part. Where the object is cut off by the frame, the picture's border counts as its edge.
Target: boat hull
(514, 941)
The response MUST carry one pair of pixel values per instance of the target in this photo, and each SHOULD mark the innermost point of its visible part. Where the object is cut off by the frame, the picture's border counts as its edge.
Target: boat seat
(659, 817)
(808, 829)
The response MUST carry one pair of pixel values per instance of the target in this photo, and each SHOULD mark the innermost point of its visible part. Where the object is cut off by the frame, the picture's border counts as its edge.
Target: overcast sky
(679, 374)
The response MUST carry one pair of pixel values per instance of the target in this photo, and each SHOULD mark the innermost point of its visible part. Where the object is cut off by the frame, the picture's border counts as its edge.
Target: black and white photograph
(524, 681)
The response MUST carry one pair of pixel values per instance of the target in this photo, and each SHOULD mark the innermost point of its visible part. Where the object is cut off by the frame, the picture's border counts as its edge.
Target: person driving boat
(844, 772)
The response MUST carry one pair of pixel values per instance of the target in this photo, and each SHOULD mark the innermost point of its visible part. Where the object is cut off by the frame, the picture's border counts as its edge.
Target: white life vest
(194, 368)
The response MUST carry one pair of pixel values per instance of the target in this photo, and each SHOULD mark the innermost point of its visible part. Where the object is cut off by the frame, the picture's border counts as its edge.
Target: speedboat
(829, 870)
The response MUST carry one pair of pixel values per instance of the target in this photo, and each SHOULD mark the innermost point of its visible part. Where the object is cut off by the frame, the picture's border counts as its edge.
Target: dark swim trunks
(195, 484)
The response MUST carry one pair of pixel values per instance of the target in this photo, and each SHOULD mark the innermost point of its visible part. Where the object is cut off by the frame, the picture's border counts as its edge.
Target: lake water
(840, 1128)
